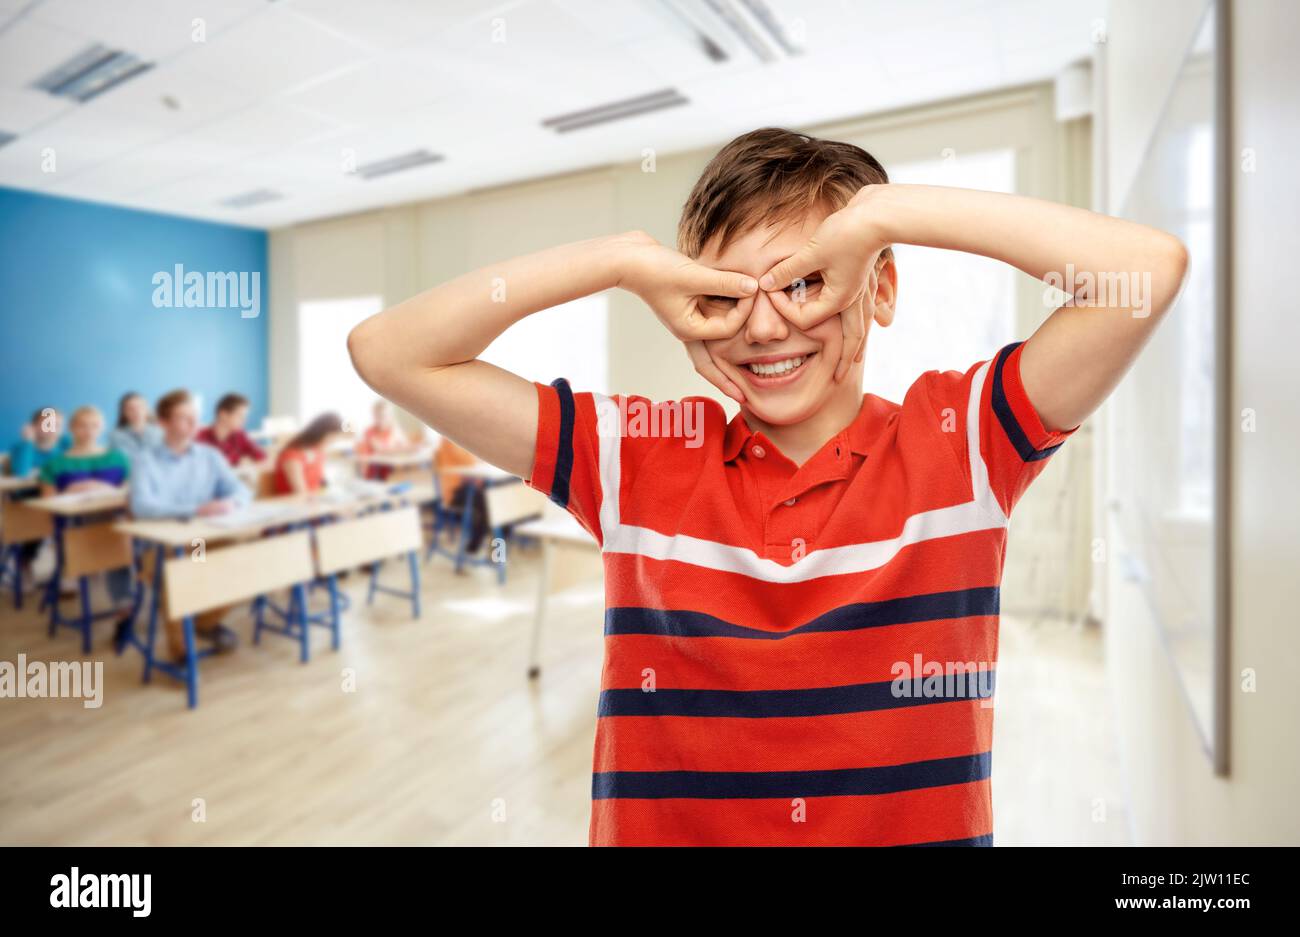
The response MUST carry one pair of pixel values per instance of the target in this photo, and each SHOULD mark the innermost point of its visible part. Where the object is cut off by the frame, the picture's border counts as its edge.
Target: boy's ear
(886, 290)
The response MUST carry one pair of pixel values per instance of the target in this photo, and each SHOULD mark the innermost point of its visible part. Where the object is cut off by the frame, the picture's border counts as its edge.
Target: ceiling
(291, 95)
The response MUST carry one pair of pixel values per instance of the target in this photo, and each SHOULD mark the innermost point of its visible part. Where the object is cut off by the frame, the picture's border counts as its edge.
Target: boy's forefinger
(794, 267)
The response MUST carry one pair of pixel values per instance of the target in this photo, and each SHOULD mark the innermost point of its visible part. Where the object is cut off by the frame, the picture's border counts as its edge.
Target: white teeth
(777, 367)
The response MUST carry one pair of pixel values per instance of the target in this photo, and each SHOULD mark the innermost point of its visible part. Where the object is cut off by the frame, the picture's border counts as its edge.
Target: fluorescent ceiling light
(91, 72)
(385, 167)
(616, 110)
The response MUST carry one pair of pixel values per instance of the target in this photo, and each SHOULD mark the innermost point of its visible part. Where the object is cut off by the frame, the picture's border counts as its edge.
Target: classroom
(424, 423)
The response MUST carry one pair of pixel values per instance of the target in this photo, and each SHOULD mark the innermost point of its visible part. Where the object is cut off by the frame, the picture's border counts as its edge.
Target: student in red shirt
(300, 466)
(383, 436)
(227, 431)
(802, 602)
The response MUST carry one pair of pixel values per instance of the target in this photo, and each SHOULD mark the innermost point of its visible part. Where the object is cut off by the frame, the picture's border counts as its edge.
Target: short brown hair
(770, 175)
(230, 402)
(170, 401)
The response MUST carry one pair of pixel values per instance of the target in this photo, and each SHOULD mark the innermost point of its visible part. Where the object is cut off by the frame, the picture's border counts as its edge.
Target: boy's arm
(422, 353)
(1078, 356)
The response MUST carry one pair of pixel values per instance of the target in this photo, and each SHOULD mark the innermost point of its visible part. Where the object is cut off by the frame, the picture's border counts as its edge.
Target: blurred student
(84, 465)
(135, 430)
(227, 431)
(300, 466)
(383, 437)
(88, 466)
(457, 489)
(42, 439)
(181, 478)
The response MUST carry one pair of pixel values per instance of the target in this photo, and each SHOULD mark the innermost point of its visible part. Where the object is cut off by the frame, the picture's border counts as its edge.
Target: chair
(88, 550)
(507, 505)
(22, 524)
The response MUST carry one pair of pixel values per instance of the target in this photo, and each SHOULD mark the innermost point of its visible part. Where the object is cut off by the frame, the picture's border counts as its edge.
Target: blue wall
(77, 320)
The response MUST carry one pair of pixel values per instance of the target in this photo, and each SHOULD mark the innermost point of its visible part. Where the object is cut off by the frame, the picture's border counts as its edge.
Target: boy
(181, 478)
(42, 439)
(770, 590)
(227, 431)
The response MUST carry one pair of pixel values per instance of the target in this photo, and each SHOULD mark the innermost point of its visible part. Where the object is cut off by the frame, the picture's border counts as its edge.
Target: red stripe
(934, 814)
(813, 743)
(804, 661)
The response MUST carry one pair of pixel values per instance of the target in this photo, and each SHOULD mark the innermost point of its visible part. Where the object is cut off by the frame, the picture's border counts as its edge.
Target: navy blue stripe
(818, 701)
(985, 840)
(1010, 425)
(734, 785)
(933, 606)
(564, 447)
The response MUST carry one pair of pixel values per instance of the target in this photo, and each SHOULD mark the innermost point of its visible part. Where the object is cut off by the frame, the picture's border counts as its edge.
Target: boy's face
(180, 424)
(786, 374)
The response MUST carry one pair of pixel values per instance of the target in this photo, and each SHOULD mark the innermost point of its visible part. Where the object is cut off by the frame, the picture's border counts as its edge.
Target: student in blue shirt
(42, 439)
(179, 477)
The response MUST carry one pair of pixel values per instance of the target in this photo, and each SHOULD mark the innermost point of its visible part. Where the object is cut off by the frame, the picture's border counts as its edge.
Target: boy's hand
(675, 286)
(834, 272)
(708, 369)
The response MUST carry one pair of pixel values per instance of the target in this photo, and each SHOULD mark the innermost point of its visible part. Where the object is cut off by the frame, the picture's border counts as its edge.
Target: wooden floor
(444, 740)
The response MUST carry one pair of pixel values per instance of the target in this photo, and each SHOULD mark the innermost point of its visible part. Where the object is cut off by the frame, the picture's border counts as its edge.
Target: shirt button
(791, 502)
(758, 452)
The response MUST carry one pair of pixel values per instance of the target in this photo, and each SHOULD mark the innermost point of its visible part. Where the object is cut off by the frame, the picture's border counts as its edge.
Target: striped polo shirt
(797, 654)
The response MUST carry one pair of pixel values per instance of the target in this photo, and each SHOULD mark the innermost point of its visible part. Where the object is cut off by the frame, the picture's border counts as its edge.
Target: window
(953, 308)
(326, 379)
(569, 341)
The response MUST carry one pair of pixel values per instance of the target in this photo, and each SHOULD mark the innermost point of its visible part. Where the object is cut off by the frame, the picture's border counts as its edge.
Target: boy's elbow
(361, 349)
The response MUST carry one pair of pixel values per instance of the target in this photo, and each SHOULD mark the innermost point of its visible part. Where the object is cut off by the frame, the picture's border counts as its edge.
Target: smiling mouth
(784, 370)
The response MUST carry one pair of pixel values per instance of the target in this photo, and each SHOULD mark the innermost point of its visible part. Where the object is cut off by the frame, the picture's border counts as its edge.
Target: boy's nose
(765, 324)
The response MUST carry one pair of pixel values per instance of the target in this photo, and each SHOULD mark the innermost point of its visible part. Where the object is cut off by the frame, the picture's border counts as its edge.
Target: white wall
(1174, 796)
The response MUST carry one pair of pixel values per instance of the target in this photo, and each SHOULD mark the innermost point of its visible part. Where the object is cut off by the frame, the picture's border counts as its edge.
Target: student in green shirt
(88, 466)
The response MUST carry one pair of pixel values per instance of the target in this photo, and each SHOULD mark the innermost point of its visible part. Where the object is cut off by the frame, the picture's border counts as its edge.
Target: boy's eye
(719, 302)
(810, 285)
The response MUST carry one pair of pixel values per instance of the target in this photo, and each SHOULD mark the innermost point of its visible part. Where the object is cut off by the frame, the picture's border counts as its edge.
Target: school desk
(84, 544)
(569, 556)
(185, 543)
(486, 477)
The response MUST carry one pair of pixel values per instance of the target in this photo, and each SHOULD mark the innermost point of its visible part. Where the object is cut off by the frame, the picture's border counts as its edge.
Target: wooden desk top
(557, 528)
(81, 503)
(9, 484)
(416, 459)
(268, 512)
(478, 470)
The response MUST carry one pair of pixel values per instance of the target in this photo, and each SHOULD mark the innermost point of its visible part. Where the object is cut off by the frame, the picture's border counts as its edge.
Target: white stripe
(982, 512)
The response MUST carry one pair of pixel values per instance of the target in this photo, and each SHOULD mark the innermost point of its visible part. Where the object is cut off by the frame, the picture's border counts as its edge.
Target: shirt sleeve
(251, 449)
(1009, 446)
(585, 454)
(21, 459)
(228, 484)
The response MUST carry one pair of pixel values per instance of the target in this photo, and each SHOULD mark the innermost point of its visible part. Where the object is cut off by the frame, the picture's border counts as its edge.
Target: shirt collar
(857, 435)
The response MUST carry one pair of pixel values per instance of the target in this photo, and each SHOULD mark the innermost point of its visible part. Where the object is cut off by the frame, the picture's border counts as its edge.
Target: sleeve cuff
(1021, 422)
(553, 448)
